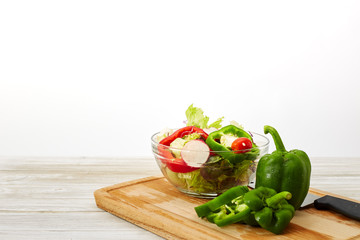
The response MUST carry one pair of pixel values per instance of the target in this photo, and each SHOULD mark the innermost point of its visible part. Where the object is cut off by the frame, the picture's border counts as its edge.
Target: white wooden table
(52, 198)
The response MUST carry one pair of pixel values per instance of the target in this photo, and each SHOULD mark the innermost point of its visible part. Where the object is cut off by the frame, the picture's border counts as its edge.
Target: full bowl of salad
(204, 160)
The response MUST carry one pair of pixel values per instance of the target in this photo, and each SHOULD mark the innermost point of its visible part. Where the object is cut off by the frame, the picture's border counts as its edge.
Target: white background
(98, 78)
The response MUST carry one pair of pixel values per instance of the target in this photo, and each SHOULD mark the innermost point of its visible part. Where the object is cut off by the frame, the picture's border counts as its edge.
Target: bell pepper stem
(276, 199)
(277, 139)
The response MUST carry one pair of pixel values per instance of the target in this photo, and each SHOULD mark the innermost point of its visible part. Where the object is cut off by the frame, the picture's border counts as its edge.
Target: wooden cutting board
(154, 204)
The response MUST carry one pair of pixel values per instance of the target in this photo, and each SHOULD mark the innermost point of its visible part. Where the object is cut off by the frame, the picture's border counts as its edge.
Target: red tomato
(241, 145)
(178, 165)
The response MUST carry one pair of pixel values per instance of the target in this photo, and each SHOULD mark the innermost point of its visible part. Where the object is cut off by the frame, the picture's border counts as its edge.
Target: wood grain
(52, 198)
(154, 204)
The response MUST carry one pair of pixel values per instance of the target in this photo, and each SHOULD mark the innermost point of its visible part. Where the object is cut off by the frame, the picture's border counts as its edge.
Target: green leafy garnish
(195, 117)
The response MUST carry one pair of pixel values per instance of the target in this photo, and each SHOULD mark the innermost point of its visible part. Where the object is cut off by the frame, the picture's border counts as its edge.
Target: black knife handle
(339, 205)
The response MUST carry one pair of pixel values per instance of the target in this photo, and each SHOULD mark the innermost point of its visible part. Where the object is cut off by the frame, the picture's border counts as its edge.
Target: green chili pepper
(284, 171)
(262, 206)
(227, 153)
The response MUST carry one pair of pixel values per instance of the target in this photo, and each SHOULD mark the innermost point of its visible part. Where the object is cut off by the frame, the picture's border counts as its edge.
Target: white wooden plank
(90, 234)
(52, 198)
(68, 221)
(99, 225)
(48, 205)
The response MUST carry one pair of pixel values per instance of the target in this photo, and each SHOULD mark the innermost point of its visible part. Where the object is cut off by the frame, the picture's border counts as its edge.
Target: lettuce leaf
(217, 123)
(195, 117)
(196, 183)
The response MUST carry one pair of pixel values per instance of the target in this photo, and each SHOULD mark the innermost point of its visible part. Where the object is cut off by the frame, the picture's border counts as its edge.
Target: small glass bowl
(210, 179)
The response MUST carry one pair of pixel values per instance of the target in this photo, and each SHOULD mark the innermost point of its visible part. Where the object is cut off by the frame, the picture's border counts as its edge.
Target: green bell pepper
(271, 209)
(284, 170)
(262, 206)
(227, 208)
(227, 153)
(223, 199)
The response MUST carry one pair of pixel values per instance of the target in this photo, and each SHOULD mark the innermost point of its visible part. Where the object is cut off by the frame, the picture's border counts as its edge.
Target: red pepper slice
(177, 164)
(164, 154)
(174, 164)
(183, 132)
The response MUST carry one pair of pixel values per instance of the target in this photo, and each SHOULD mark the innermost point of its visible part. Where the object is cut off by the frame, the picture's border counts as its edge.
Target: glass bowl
(216, 175)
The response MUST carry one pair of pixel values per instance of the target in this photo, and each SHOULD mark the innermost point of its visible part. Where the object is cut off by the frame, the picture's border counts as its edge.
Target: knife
(345, 207)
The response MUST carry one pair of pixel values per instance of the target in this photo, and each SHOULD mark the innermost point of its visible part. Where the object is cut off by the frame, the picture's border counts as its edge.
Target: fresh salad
(206, 158)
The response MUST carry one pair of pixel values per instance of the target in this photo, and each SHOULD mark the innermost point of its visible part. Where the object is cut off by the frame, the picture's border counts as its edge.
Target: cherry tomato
(178, 165)
(241, 145)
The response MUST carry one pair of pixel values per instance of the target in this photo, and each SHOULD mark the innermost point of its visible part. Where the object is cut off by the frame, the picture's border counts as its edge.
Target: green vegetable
(226, 152)
(284, 171)
(229, 215)
(271, 210)
(236, 124)
(261, 206)
(196, 183)
(227, 140)
(215, 167)
(174, 178)
(176, 146)
(192, 136)
(217, 202)
(195, 117)
(216, 175)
